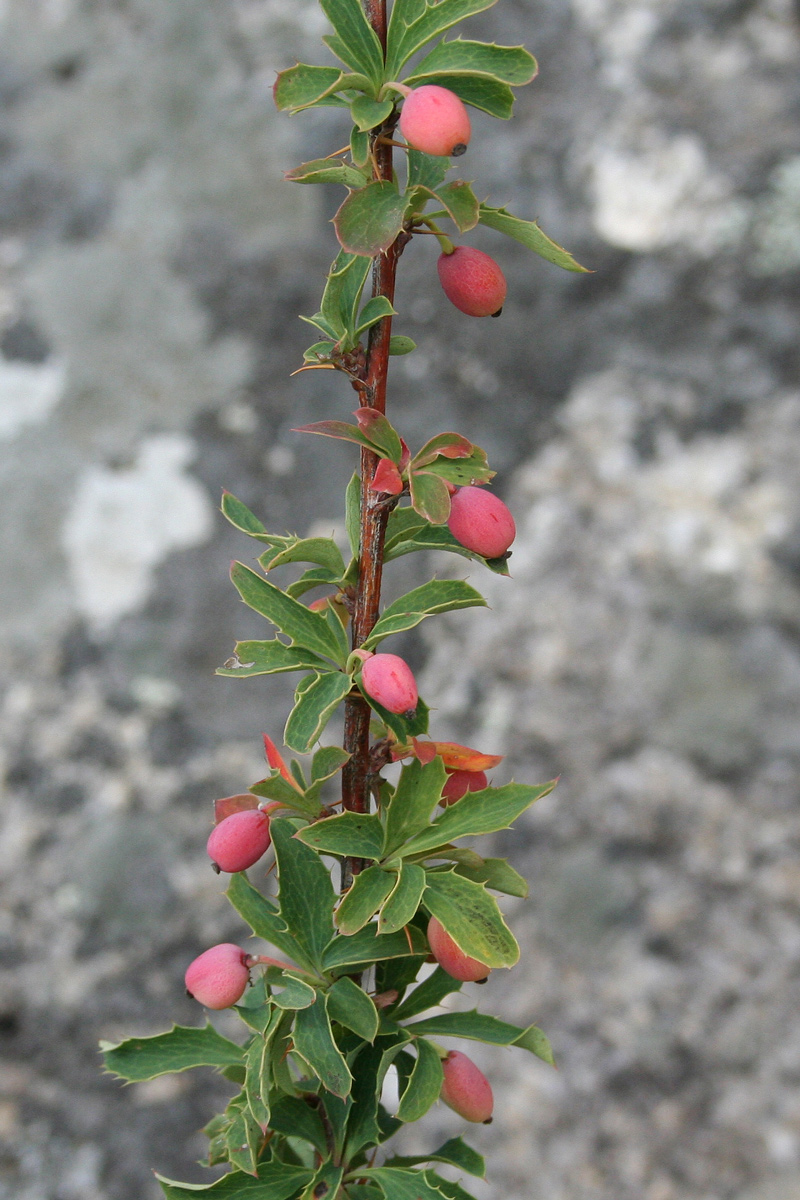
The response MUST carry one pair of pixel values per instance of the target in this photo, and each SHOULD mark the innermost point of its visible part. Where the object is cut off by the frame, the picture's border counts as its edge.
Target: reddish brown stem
(372, 391)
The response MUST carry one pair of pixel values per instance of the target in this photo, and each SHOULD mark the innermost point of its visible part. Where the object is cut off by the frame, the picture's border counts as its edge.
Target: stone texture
(644, 422)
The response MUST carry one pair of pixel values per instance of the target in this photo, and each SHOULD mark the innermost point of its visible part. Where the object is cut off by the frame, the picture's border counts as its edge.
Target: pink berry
(461, 782)
(473, 282)
(450, 958)
(481, 522)
(435, 121)
(466, 1089)
(387, 678)
(240, 840)
(218, 977)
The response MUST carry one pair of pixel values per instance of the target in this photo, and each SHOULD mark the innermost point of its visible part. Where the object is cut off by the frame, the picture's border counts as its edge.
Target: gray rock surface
(644, 422)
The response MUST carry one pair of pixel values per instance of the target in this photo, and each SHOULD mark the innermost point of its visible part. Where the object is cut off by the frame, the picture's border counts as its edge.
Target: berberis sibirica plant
(350, 994)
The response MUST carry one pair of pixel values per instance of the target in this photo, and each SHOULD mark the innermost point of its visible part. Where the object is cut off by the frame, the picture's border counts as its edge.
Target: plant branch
(374, 515)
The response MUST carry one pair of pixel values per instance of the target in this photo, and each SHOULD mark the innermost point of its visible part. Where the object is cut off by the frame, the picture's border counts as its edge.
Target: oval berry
(435, 121)
(461, 782)
(452, 959)
(240, 840)
(466, 1089)
(218, 977)
(481, 521)
(473, 282)
(387, 678)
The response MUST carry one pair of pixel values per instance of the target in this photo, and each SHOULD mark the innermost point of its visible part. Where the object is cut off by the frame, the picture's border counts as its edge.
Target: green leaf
(353, 513)
(242, 519)
(402, 904)
(270, 658)
(418, 791)
(326, 762)
(365, 896)
(314, 1041)
(398, 344)
(535, 1041)
(399, 1184)
(321, 550)
(498, 874)
(319, 352)
(370, 219)
(313, 708)
(182, 1048)
(448, 445)
(426, 170)
(450, 1190)
(305, 628)
(256, 1010)
(353, 1008)
(275, 787)
(406, 40)
(530, 235)
(508, 64)
(348, 833)
(302, 85)
(295, 1118)
(243, 1136)
(262, 916)
(373, 311)
(455, 1152)
(306, 892)
(461, 203)
(342, 294)
(341, 430)
(469, 470)
(258, 1080)
(368, 114)
(356, 42)
(275, 1181)
(327, 170)
(295, 993)
(325, 1183)
(380, 432)
(370, 1069)
(427, 994)
(472, 918)
(359, 147)
(423, 1086)
(479, 812)
(367, 947)
(478, 1027)
(437, 596)
(429, 495)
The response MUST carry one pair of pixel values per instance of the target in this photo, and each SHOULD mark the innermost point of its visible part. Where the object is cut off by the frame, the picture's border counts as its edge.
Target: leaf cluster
(378, 210)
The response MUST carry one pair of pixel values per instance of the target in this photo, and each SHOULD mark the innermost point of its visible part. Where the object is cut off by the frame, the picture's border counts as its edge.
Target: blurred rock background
(644, 421)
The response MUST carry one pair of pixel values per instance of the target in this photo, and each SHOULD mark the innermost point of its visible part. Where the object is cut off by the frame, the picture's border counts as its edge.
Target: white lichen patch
(659, 192)
(29, 392)
(123, 523)
(776, 228)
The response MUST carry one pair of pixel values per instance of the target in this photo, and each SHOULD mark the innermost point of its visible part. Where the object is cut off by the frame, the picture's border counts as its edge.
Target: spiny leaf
(471, 917)
(530, 235)
(303, 84)
(370, 219)
(508, 64)
(430, 599)
(274, 1181)
(313, 1040)
(305, 628)
(353, 1008)
(183, 1047)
